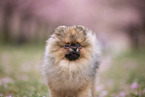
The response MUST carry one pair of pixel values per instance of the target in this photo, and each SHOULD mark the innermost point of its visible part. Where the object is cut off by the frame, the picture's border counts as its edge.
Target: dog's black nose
(74, 48)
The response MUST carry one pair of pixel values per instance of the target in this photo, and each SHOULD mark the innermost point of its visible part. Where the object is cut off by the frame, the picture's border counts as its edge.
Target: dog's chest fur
(68, 76)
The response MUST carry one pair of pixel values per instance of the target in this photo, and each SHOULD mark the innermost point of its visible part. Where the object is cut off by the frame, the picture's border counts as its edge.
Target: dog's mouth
(72, 56)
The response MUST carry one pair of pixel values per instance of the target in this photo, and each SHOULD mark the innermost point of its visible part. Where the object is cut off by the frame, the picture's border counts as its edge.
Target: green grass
(20, 66)
(127, 68)
(20, 75)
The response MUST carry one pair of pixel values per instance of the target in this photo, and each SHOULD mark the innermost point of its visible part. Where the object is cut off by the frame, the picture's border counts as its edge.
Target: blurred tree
(137, 31)
(8, 11)
(36, 17)
(24, 9)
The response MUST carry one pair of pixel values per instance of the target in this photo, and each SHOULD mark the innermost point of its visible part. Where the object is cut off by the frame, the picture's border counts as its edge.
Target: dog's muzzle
(72, 55)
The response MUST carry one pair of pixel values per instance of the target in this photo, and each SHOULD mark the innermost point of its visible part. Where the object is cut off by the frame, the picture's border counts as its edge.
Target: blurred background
(25, 25)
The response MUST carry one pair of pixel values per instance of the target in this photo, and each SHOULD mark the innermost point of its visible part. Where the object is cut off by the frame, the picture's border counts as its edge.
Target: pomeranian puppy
(70, 62)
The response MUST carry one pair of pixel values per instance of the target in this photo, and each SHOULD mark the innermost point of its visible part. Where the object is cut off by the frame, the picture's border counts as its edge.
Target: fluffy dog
(70, 62)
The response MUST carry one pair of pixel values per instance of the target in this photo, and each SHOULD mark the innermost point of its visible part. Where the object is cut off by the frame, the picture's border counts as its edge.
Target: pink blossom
(5, 80)
(1, 95)
(103, 93)
(122, 94)
(144, 90)
(134, 85)
(99, 87)
(9, 96)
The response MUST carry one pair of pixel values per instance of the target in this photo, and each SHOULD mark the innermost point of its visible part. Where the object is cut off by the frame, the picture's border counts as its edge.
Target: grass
(126, 76)
(20, 75)
(19, 71)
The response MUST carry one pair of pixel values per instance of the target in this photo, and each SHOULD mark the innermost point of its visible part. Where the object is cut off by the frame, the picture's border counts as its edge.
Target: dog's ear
(60, 30)
(81, 28)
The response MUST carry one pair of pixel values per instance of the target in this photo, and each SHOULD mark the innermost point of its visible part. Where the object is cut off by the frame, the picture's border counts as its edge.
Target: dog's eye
(66, 45)
(78, 45)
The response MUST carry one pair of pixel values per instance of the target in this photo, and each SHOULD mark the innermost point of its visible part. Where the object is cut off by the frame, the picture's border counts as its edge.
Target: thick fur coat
(71, 78)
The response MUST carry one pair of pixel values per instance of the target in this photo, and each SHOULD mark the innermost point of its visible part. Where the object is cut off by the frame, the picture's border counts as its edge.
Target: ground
(121, 75)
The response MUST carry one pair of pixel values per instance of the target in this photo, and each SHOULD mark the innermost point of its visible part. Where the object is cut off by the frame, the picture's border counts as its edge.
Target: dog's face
(70, 43)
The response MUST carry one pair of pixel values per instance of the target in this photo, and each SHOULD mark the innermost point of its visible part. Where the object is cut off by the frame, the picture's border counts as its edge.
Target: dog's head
(71, 43)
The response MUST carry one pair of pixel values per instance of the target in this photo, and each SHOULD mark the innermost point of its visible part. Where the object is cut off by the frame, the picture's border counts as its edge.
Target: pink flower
(1, 95)
(122, 94)
(5, 80)
(144, 90)
(134, 85)
(103, 93)
(9, 96)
